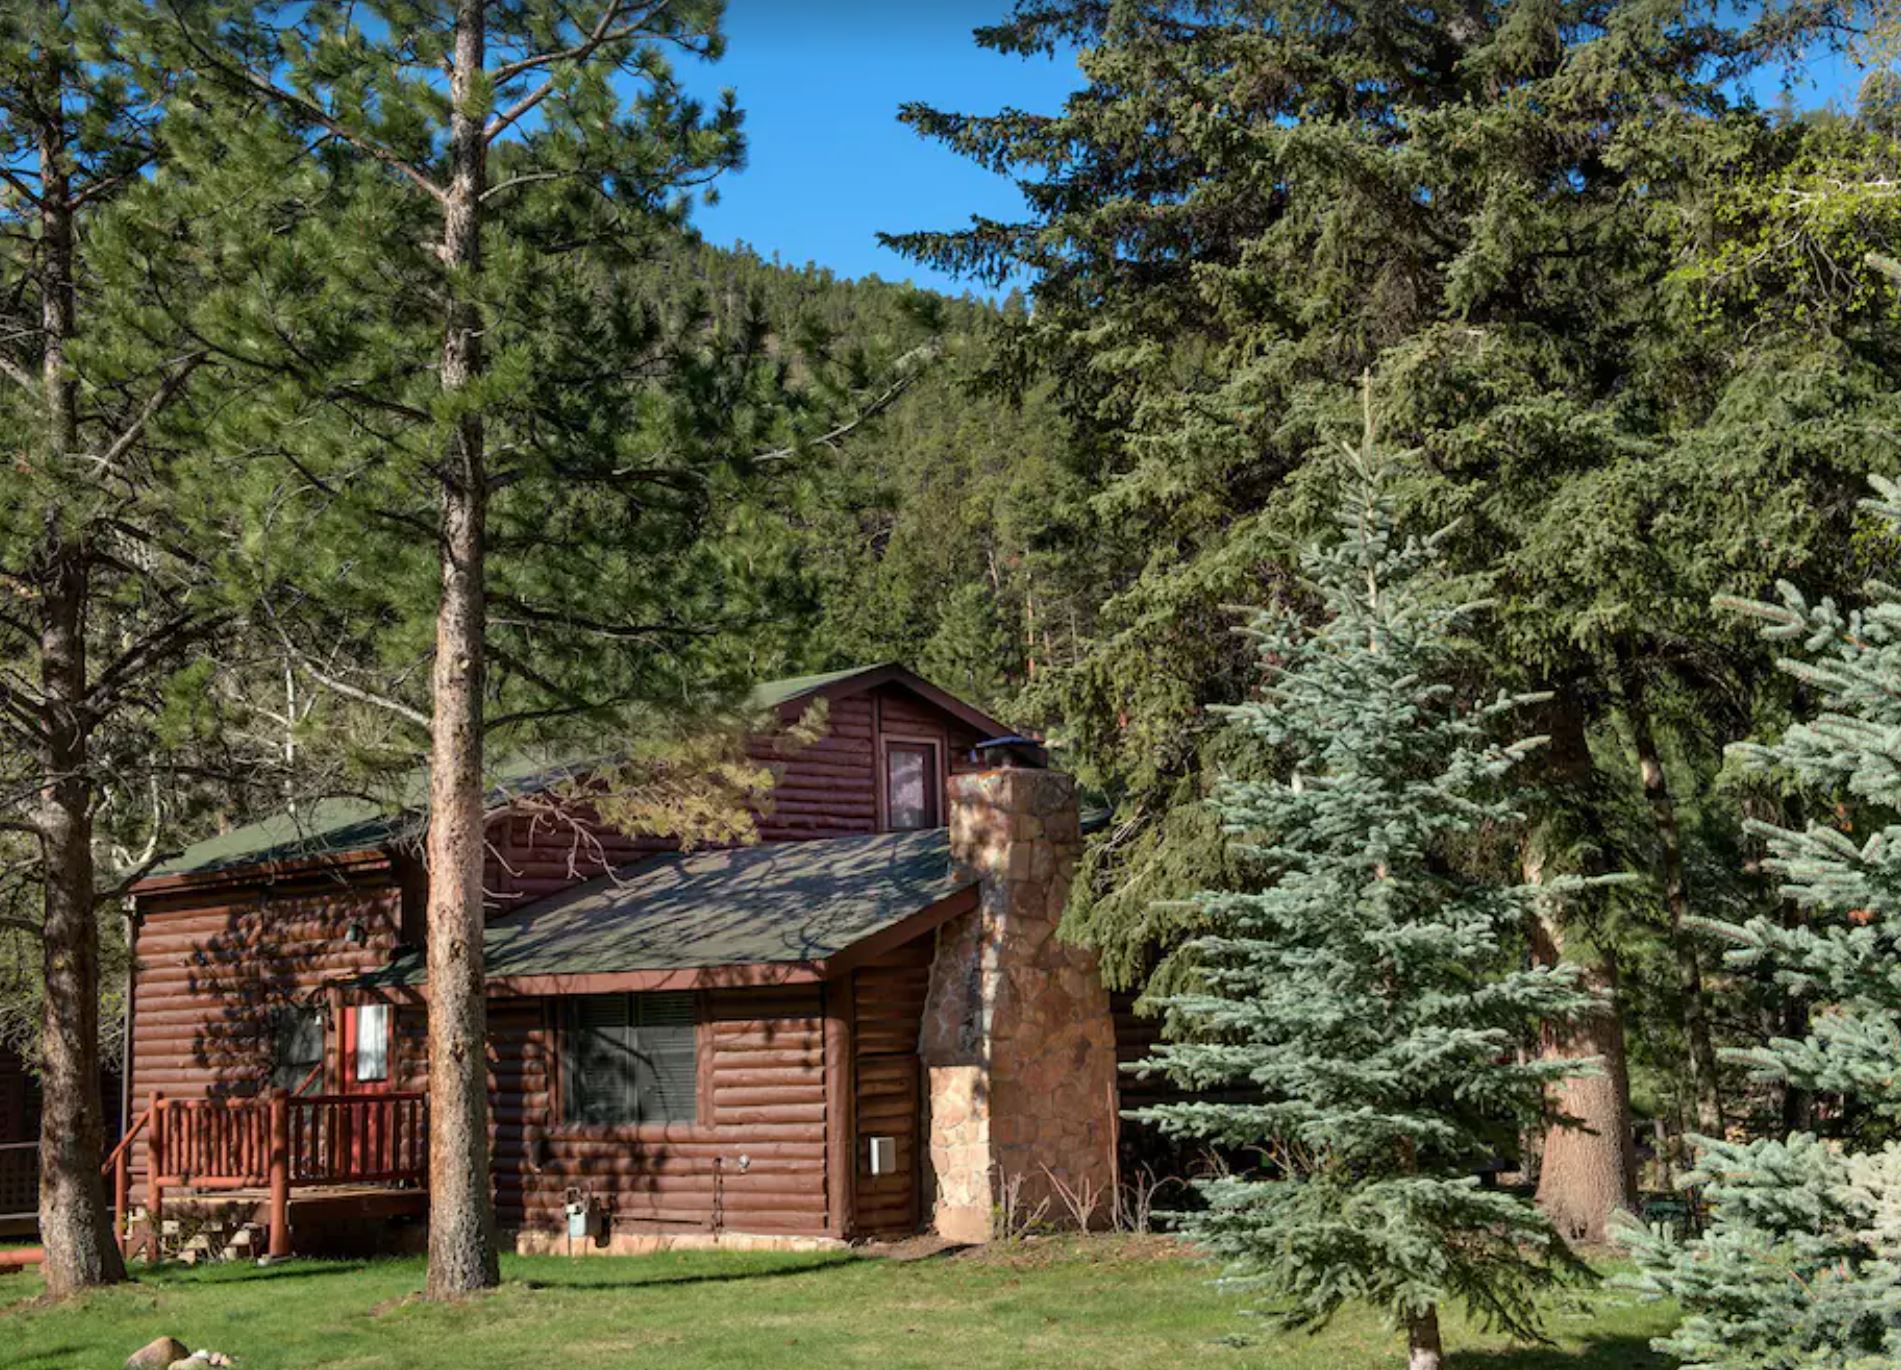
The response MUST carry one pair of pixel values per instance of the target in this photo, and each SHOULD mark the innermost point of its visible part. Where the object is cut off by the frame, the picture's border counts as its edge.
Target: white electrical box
(884, 1155)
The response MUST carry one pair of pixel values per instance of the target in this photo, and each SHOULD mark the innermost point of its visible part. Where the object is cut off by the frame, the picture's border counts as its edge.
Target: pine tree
(469, 152)
(495, 492)
(1360, 993)
(970, 654)
(1802, 1263)
(103, 601)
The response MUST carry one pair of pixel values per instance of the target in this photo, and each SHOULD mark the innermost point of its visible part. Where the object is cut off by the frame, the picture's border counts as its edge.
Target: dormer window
(911, 786)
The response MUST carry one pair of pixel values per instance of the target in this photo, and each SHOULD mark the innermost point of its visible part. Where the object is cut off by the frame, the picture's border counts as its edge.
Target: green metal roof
(331, 827)
(773, 903)
(328, 827)
(773, 693)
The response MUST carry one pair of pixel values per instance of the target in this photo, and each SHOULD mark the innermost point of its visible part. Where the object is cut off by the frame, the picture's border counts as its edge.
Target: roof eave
(893, 674)
(742, 975)
(264, 872)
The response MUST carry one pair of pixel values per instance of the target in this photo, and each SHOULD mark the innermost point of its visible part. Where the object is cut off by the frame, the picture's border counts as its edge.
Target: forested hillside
(930, 533)
(376, 413)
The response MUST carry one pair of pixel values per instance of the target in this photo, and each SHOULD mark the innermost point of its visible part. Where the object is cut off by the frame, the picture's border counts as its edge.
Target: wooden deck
(317, 1205)
(316, 1162)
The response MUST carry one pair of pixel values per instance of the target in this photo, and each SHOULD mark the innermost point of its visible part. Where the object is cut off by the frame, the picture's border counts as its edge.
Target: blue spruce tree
(1801, 1264)
(1361, 1001)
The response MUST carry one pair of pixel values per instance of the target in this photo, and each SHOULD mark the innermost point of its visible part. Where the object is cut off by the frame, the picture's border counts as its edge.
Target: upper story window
(630, 1058)
(911, 788)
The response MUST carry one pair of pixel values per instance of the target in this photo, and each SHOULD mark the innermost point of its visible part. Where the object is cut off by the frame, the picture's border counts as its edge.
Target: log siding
(214, 968)
(791, 1076)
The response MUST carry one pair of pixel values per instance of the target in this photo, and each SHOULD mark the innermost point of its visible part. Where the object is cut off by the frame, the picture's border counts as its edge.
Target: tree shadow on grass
(55, 1357)
(687, 1277)
(249, 1274)
(1623, 1352)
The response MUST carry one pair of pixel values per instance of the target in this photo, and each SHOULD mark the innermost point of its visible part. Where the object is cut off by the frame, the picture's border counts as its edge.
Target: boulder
(158, 1355)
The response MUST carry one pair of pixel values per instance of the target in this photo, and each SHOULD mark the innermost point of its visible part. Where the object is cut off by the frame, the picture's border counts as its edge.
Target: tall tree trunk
(75, 1225)
(1588, 1168)
(1705, 1085)
(1423, 1348)
(1781, 1015)
(462, 1240)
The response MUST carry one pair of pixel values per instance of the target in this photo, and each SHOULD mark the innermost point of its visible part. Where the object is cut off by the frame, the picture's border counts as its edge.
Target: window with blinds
(630, 1058)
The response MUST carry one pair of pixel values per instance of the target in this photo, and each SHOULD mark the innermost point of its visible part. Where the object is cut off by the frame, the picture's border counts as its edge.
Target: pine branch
(148, 654)
(355, 692)
(213, 59)
(871, 411)
(605, 31)
(13, 371)
(155, 403)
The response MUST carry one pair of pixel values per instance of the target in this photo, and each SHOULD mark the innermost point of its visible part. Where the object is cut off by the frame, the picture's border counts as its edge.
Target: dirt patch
(1030, 1253)
(395, 1305)
(923, 1247)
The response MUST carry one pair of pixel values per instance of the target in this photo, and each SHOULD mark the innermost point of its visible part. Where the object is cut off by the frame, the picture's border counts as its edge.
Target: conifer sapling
(1361, 998)
(1801, 1263)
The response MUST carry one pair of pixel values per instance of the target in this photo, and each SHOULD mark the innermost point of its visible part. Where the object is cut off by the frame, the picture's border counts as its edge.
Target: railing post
(154, 1189)
(280, 1174)
(121, 1196)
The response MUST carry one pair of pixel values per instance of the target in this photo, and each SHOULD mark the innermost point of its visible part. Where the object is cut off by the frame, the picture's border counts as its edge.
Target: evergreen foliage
(1618, 307)
(1360, 998)
(1492, 206)
(1802, 1265)
(105, 601)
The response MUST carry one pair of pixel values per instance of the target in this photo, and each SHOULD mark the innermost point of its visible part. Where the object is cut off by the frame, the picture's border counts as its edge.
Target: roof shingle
(779, 902)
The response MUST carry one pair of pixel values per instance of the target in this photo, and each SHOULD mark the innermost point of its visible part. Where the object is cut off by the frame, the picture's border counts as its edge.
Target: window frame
(387, 1014)
(277, 1073)
(935, 782)
(561, 1031)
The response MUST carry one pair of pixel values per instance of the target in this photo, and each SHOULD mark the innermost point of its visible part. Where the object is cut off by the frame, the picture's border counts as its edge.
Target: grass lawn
(1117, 1304)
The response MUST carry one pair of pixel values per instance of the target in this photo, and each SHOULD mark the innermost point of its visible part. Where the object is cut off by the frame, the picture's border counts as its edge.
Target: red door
(368, 1042)
(365, 1130)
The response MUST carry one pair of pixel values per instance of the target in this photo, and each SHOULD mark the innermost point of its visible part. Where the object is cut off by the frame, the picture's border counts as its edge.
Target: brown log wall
(829, 789)
(762, 1096)
(214, 962)
(888, 1092)
(215, 966)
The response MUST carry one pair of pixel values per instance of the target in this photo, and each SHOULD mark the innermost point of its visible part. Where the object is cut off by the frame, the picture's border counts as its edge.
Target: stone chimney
(1018, 1041)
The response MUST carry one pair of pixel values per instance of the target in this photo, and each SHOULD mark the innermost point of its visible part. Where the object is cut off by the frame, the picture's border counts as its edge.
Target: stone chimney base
(1018, 1040)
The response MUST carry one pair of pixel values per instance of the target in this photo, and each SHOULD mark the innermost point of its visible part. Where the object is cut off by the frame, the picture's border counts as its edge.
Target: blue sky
(829, 166)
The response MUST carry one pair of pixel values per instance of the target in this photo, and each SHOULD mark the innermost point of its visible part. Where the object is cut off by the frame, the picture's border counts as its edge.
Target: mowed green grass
(1101, 1302)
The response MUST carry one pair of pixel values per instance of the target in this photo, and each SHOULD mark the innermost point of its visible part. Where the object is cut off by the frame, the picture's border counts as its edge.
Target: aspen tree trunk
(462, 1239)
(1704, 1082)
(1423, 1349)
(1588, 1168)
(75, 1225)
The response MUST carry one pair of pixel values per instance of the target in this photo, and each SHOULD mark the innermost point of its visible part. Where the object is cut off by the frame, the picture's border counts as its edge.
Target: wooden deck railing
(358, 1139)
(275, 1142)
(119, 1166)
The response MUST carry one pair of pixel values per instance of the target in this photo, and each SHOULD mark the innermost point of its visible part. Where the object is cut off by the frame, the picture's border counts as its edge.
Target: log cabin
(862, 1026)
